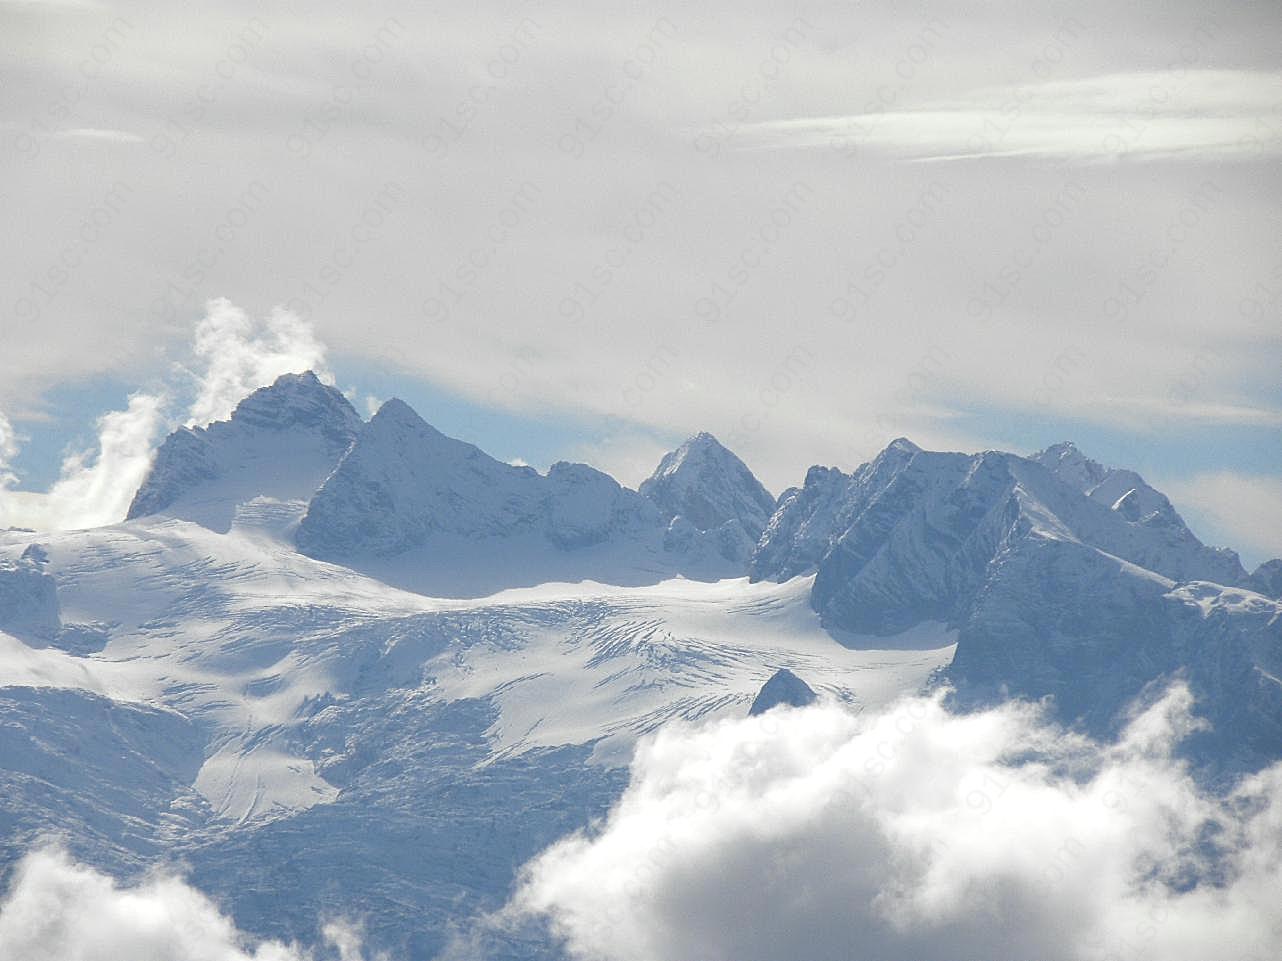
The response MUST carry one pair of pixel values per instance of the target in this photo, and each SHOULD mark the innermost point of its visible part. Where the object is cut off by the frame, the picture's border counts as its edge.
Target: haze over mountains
(318, 640)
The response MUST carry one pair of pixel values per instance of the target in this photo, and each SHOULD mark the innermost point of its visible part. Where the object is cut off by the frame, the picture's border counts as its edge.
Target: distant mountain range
(1064, 577)
(317, 639)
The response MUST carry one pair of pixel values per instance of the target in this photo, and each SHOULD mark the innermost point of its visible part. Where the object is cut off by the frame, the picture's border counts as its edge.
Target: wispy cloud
(1140, 116)
(95, 486)
(236, 355)
(94, 133)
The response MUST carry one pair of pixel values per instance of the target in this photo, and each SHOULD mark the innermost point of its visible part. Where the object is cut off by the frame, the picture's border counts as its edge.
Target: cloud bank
(58, 910)
(781, 251)
(233, 355)
(917, 834)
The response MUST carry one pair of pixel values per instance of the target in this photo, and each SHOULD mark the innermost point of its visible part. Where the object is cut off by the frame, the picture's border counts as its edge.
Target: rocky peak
(299, 401)
(783, 688)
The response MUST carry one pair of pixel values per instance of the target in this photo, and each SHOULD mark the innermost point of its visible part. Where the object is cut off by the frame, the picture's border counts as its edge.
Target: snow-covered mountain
(325, 656)
(404, 481)
(280, 444)
(424, 510)
(1062, 577)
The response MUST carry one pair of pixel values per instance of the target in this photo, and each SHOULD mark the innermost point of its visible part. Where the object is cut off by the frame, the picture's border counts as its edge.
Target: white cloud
(239, 355)
(58, 910)
(234, 356)
(94, 486)
(1245, 510)
(666, 295)
(94, 133)
(9, 447)
(918, 834)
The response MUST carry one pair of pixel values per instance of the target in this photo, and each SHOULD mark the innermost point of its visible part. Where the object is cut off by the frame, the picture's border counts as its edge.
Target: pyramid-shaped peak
(699, 449)
(897, 453)
(701, 445)
(396, 411)
(708, 485)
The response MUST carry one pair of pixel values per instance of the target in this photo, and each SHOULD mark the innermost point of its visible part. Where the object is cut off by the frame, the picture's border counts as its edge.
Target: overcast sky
(585, 232)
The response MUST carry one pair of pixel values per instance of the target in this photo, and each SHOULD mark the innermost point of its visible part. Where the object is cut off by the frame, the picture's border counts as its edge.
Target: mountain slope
(403, 480)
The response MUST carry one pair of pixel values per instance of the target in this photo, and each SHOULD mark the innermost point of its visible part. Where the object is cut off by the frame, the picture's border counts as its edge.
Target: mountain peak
(701, 446)
(708, 485)
(1066, 461)
(298, 400)
(396, 411)
(280, 442)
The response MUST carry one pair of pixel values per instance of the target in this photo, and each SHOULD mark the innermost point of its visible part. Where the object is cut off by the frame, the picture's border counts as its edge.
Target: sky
(573, 232)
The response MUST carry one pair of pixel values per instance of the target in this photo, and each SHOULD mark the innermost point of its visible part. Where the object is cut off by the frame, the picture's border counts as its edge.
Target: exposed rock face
(785, 688)
(404, 481)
